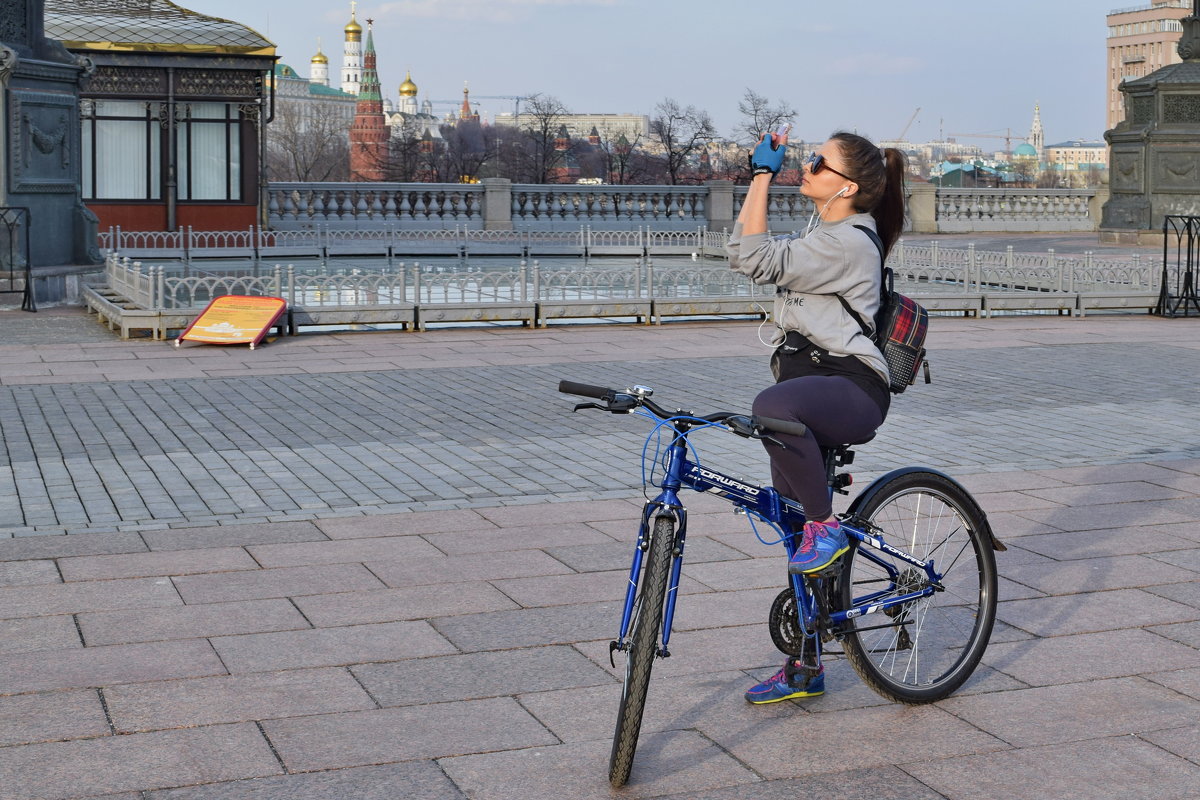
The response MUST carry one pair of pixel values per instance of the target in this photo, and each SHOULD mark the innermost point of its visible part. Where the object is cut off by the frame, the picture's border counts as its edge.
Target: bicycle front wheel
(643, 645)
(923, 650)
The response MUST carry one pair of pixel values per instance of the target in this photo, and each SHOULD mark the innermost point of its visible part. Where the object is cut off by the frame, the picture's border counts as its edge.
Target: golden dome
(320, 58)
(353, 30)
(408, 88)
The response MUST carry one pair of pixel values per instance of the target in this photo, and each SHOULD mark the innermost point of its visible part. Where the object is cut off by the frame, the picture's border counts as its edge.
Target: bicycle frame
(782, 514)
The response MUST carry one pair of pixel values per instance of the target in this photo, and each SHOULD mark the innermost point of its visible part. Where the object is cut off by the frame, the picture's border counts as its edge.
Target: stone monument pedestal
(1154, 163)
(40, 155)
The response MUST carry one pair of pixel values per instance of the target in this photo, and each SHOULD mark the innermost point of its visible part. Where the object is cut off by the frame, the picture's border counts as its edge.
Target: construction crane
(1007, 136)
(908, 125)
(516, 98)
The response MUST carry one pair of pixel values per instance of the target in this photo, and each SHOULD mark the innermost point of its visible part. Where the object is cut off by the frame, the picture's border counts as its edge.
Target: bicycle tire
(937, 641)
(643, 645)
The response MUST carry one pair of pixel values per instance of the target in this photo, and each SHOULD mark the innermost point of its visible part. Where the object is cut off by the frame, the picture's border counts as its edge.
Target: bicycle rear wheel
(925, 649)
(643, 644)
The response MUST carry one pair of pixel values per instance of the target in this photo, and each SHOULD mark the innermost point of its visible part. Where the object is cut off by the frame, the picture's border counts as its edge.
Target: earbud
(842, 191)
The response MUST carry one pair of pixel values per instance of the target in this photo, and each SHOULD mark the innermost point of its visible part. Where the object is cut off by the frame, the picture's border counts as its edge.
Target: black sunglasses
(816, 162)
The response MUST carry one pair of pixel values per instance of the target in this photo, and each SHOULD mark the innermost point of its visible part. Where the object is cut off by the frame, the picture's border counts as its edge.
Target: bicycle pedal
(829, 573)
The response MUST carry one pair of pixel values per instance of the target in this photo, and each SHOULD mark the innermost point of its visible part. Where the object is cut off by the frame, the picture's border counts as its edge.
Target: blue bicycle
(912, 602)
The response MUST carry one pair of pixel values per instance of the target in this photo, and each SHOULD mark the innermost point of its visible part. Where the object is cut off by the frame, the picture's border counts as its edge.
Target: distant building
(609, 127)
(1077, 154)
(1141, 39)
(308, 99)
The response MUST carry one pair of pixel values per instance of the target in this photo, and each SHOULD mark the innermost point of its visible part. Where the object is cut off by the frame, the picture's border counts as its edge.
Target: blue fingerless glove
(767, 157)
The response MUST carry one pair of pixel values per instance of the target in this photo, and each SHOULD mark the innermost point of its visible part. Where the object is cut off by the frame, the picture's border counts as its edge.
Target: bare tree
(759, 116)
(533, 155)
(308, 142)
(467, 149)
(618, 161)
(681, 133)
(405, 150)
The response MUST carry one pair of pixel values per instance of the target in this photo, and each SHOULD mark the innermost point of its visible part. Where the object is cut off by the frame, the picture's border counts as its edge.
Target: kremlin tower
(319, 67)
(352, 59)
(369, 133)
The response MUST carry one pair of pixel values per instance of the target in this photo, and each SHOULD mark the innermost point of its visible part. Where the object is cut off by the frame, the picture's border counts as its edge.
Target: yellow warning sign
(235, 319)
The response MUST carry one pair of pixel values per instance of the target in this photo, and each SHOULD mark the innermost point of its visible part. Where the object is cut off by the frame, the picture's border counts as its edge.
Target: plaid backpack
(900, 327)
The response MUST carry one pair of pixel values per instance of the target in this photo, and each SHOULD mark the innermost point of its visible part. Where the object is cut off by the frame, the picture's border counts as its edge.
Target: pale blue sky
(971, 67)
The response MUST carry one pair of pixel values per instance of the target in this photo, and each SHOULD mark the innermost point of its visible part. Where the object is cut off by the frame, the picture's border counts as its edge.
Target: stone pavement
(379, 565)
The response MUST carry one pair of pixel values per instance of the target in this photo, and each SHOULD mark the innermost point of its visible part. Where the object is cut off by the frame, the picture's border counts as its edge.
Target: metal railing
(1178, 295)
(15, 263)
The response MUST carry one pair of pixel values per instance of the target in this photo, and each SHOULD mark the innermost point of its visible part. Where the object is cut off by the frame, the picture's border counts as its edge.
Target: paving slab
(1098, 574)
(419, 780)
(132, 763)
(38, 633)
(1017, 717)
(189, 622)
(51, 716)
(181, 562)
(479, 675)
(267, 583)
(681, 761)
(66, 598)
(850, 739)
(28, 573)
(1117, 767)
(471, 567)
(190, 703)
(1086, 612)
(404, 734)
(882, 783)
(1088, 656)
(343, 551)
(387, 641)
(198, 537)
(394, 605)
(104, 666)
(59, 546)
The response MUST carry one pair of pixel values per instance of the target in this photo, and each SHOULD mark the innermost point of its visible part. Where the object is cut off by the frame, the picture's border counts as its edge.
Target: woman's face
(827, 181)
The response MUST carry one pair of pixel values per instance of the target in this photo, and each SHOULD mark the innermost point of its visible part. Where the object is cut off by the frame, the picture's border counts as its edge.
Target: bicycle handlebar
(585, 390)
(753, 425)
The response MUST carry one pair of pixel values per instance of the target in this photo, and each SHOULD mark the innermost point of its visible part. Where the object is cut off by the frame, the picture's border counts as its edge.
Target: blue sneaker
(821, 544)
(790, 683)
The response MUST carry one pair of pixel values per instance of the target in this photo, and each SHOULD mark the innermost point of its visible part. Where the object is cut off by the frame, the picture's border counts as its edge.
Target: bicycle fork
(667, 502)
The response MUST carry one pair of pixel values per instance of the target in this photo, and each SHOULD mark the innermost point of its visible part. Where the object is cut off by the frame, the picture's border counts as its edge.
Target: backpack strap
(874, 237)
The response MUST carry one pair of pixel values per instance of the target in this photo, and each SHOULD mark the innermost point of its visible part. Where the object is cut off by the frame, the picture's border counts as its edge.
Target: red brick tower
(369, 131)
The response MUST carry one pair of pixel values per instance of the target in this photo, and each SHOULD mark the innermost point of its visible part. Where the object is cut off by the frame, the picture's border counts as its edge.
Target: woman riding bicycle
(829, 374)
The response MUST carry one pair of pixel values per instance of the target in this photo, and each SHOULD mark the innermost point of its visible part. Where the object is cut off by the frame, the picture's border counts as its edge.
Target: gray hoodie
(809, 273)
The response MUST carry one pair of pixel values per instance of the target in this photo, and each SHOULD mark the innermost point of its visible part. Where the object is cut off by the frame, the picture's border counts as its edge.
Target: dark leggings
(836, 411)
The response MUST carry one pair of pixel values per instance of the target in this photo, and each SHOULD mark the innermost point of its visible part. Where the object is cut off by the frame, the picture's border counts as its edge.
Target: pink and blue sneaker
(821, 544)
(793, 682)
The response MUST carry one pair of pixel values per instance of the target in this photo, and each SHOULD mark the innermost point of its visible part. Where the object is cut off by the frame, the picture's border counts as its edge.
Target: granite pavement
(387, 564)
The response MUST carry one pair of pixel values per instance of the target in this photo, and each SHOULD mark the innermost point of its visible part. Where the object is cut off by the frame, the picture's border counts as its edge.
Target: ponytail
(880, 178)
(889, 213)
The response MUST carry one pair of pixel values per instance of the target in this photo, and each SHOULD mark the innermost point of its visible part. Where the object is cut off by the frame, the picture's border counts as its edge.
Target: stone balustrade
(497, 204)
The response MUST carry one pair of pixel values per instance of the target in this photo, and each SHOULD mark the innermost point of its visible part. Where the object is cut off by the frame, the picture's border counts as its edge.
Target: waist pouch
(797, 357)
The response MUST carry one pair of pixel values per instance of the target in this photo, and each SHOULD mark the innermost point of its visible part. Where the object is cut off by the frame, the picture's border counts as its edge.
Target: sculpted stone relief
(41, 129)
(1177, 170)
(1126, 171)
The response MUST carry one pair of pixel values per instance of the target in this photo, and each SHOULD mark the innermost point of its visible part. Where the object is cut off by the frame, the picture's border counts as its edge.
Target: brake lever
(582, 406)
